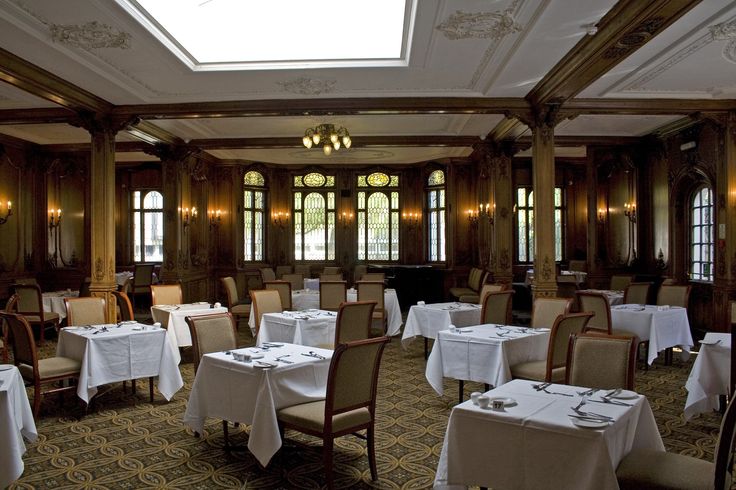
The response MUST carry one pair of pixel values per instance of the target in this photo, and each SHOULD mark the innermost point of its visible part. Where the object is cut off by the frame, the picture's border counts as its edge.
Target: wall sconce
(345, 218)
(630, 211)
(215, 218)
(188, 216)
(601, 215)
(412, 219)
(486, 211)
(280, 218)
(8, 212)
(473, 217)
(54, 218)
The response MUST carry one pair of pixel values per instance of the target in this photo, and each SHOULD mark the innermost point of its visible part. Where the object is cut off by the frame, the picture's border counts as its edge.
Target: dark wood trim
(508, 128)
(44, 115)
(648, 106)
(359, 142)
(152, 134)
(586, 140)
(120, 147)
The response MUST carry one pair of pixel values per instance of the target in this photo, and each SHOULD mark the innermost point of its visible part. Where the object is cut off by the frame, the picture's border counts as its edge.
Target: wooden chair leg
(150, 388)
(327, 457)
(36, 400)
(371, 452)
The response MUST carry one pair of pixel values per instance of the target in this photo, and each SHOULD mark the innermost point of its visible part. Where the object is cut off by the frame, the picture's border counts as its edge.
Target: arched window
(148, 226)
(254, 203)
(378, 217)
(525, 224)
(701, 235)
(314, 217)
(436, 216)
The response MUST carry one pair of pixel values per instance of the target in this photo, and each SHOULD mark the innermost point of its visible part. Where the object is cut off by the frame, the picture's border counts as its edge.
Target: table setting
(544, 436)
(173, 318)
(614, 297)
(249, 385)
(309, 327)
(112, 353)
(483, 353)
(425, 320)
(710, 375)
(663, 326)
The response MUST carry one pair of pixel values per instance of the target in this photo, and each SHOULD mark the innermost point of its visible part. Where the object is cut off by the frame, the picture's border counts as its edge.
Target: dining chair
(332, 294)
(354, 321)
(674, 296)
(237, 307)
(476, 278)
(600, 361)
(597, 304)
(264, 301)
(374, 291)
(552, 369)
(303, 269)
(374, 276)
(142, 279)
(485, 289)
(332, 270)
(10, 307)
(330, 277)
(496, 308)
(85, 311)
(649, 468)
(546, 310)
(620, 281)
(211, 333)
(349, 405)
(284, 289)
(267, 274)
(296, 280)
(38, 372)
(283, 269)
(30, 305)
(126, 308)
(358, 272)
(637, 293)
(166, 294)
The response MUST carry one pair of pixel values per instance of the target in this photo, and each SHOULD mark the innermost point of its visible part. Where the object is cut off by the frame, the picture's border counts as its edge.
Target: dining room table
(307, 299)
(710, 377)
(251, 392)
(425, 320)
(53, 301)
(614, 297)
(483, 353)
(112, 353)
(544, 438)
(307, 327)
(663, 326)
(16, 424)
(173, 319)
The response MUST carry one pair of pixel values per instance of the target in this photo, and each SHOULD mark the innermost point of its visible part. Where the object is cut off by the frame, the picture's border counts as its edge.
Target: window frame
(252, 188)
(699, 208)
(559, 237)
(142, 212)
(328, 191)
(441, 211)
(364, 187)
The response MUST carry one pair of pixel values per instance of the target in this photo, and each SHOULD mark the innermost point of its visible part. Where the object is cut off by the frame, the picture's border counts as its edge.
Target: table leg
(150, 388)
(461, 386)
(426, 345)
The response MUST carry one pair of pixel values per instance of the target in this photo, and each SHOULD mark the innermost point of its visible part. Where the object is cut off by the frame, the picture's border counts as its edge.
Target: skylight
(249, 34)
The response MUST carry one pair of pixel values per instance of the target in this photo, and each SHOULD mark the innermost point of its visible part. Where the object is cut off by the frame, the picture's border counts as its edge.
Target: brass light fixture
(328, 136)
(7, 214)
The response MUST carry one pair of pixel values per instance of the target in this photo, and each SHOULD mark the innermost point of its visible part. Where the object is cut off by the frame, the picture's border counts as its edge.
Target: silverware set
(543, 387)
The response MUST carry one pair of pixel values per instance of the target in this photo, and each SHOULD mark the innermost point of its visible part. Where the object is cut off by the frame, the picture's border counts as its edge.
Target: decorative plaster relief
(726, 31)
(479, 25)
(90, 35)
(308, 86)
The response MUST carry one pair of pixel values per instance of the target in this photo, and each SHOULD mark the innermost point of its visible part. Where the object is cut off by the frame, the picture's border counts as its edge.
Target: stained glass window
(378, 217)
(701, 235)
(314, 217)
(436, 216)
(254, 204)
(148, 226)
(525, 224)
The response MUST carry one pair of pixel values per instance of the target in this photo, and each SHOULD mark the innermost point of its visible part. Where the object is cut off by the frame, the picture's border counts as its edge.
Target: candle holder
(7, 213)
(54, 219)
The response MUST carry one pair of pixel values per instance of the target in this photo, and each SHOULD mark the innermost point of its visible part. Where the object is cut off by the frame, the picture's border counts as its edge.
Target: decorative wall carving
(479, 25)
(90, 35)
(634, 38)
(726, 31)
(546, 269)
(308, 86)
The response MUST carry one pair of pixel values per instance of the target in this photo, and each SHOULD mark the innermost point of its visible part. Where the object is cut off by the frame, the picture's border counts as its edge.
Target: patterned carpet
(125, 442)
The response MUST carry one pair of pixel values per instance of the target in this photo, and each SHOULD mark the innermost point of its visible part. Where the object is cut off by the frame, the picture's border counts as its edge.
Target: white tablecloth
(131, 351)
(576, 277)
(54, 302)
(663, 328)
(480, 354)
(16, 422)
(240, 392)
(710, 376)
(313, 327)
(122, 277)
(614, 297)
(535, 444)
(427, 320)
(309, 300)
(173, 318)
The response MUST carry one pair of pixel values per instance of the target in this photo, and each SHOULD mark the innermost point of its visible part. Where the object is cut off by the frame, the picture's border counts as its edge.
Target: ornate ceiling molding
(479, 25)
(90, 35)
(308, 86)
(726, 31)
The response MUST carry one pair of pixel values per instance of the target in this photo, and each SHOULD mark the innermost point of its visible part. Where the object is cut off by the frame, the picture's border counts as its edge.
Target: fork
(553, 392)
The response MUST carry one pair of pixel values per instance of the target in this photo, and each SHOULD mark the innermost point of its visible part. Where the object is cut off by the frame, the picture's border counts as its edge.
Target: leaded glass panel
(378, 179)
(314, 179)
(394, 181)
(436, 178)
(148, 226)
(254, 179)
(361, 181)
(298, 181)
(701, 235)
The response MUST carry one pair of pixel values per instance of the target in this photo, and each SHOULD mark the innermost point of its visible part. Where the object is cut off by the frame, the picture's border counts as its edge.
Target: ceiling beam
(44, 115)
(648, 106)
(358, 142)
(120, 147)
(44, 84)
(628, 26)
(587, 140)
(153, 135)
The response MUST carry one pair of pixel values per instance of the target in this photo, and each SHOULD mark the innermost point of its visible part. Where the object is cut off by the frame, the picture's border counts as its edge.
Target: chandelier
(328, 136)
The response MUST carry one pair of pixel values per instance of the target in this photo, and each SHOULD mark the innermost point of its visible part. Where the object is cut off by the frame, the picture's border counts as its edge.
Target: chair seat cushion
(52, 367)
(457, 292)
(312, 416)
(536, 370)
(648, 469)
(240, 310)
(48, 316)
(469, 298)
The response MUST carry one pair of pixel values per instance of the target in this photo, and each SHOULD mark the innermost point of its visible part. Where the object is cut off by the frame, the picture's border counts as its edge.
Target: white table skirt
(710, 375)
(535, 445)
(239, 392)
(173, 318)
(481, 355)
(54, 302)
(427, 320)
(16, 423)
(304, 328)
(663, 328)
(309, 300)
(120, 354)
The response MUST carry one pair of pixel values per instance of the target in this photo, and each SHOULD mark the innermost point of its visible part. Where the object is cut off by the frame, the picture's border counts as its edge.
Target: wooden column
(496, 166)
(543, 183)
(724, 286)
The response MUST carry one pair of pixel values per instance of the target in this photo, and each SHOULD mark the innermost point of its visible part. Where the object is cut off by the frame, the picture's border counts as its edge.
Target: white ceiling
(477, 48)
